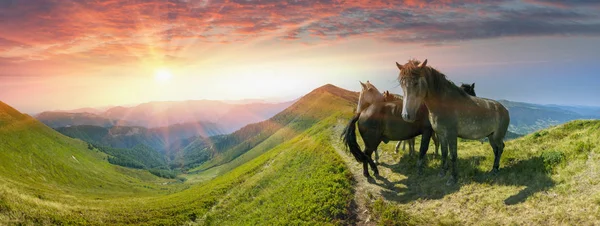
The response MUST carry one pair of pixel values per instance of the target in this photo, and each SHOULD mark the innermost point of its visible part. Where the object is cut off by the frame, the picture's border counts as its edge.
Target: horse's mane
(437, 82)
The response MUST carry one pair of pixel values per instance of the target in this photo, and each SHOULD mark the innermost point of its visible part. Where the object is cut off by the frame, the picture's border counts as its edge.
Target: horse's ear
(399, 66)
(422, 65)
(363, 85)
(473, 85)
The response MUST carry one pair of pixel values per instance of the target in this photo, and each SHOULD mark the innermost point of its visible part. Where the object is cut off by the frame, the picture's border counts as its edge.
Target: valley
(291, 168)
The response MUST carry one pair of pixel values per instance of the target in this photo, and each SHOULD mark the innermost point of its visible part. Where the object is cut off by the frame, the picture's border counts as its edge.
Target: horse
(469, 89)
(369, 94)
(387, 97)
(382, 121)
(452, 112)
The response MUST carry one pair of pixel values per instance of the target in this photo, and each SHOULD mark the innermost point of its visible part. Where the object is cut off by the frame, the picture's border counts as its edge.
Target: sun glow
(162, 75)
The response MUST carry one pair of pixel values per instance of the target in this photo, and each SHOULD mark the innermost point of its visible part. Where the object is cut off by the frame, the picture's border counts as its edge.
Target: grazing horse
(382, 121)
(452, 112)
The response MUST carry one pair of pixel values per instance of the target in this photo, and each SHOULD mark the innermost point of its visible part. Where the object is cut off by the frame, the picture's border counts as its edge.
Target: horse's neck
(363, 104)
(439, 100)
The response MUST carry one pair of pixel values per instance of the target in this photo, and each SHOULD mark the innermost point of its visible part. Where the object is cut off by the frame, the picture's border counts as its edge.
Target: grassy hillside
(294, 175)
(263, 190)
(260, 137)
(547, 178)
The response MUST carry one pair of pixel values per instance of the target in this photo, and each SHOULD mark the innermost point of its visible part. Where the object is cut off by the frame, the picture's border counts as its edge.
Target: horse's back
(481, 118)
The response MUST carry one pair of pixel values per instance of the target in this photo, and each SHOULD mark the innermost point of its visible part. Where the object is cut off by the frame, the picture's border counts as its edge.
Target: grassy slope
(549, 177)
(302, 180)
(303, 114)
(268, 185)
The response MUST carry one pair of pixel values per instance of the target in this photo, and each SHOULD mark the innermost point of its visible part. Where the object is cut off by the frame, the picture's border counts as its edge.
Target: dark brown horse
(452, 112)
(382, 121)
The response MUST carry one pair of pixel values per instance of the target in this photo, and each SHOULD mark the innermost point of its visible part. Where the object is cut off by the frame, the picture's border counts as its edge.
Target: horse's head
(387, 96)
(414, 85)
(368, 95)
(469, 89)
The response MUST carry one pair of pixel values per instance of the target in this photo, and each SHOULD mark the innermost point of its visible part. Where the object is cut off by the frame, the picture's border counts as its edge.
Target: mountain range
(228, 117)
(289, 169)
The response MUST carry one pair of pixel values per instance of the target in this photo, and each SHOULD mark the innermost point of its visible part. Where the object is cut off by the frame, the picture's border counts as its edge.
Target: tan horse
(369, 95)
(469, 89)
(452, 112)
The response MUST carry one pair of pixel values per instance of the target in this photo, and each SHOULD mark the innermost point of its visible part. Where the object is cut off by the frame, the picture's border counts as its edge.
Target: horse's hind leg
(376, 156)
(371, 162)
(452, 146)
(444, 147)
(366, 169)
(498, 147)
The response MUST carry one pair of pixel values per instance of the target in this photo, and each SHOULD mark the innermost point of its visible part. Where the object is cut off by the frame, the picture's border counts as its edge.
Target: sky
(67, 54)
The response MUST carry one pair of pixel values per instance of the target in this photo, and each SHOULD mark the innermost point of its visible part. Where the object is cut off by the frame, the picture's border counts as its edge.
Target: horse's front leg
(452, 146)
(444, 148)
(425, 138)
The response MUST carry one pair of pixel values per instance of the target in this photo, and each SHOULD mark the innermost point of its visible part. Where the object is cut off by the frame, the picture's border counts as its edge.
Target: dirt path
(366, 190)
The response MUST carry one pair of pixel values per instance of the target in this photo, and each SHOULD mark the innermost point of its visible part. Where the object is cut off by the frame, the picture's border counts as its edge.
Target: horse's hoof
(366, 175)
(495, 172)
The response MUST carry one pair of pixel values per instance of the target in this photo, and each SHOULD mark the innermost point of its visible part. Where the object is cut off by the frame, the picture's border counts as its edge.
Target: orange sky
(69, 54)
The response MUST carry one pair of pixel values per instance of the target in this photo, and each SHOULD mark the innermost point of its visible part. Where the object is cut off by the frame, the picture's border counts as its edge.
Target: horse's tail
(349, 136)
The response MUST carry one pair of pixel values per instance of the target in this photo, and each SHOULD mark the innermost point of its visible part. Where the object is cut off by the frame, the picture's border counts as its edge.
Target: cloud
(93, 30)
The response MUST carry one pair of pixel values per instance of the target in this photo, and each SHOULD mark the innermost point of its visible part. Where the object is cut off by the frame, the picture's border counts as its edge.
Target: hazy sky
(65, 54)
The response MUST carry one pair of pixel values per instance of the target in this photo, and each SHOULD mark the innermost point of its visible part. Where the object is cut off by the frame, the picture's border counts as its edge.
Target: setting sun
(162, 75)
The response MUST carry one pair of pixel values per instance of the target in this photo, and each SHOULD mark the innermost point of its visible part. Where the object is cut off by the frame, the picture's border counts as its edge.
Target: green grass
(549, 177)
(305, 113)
(267, 189)
(303, 181)
(272, 181)
(294, 176)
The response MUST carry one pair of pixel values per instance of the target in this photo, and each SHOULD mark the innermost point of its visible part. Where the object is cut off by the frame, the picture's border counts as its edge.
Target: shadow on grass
(530, 173)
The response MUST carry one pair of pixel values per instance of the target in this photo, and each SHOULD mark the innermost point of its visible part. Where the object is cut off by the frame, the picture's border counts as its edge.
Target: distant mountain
(83, 110)
(163, 139)
(588, 111)
(228, 116)
(526, 118)
(63, 119)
